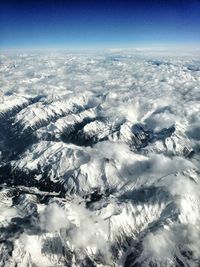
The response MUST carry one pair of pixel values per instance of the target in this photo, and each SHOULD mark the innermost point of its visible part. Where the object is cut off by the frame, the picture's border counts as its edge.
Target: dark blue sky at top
(82, 24)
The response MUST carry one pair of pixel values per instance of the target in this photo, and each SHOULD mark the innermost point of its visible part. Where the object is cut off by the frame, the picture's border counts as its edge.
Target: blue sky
(91, 24)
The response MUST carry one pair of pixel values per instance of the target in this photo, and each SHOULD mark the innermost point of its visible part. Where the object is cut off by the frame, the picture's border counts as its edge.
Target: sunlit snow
(100, 159)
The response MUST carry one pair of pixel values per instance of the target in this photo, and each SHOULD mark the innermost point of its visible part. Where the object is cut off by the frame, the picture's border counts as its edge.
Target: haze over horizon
(100, 133)
(99, 24)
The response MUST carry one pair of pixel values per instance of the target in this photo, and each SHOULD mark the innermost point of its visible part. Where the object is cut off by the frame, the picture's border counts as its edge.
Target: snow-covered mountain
(99, 160)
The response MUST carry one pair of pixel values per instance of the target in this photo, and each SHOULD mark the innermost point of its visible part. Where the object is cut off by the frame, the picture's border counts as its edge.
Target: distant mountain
(99, 160)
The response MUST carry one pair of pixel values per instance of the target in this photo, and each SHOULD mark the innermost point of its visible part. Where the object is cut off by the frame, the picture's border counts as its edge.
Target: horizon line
(137, 47)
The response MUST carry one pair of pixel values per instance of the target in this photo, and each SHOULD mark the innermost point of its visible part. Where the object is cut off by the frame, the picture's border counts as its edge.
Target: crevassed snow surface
(99, 159)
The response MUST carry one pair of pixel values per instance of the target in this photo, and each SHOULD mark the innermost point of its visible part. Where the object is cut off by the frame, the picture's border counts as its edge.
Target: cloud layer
(99, 159)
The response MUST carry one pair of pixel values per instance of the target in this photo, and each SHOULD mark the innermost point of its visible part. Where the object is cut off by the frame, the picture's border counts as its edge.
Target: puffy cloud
(108, 144)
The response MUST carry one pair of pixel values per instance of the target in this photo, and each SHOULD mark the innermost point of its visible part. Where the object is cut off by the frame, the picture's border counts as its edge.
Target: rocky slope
(99, 160)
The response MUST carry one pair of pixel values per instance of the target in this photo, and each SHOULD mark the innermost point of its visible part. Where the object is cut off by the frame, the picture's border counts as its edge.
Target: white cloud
(99, 125)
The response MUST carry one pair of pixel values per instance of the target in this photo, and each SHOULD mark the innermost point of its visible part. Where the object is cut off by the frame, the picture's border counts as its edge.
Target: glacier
(100, 159)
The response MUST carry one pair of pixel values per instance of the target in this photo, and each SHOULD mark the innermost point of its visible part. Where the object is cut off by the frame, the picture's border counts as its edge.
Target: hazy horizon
(98, 25)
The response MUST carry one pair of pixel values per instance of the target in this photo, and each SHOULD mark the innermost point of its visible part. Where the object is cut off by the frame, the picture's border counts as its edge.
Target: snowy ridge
(102, 169)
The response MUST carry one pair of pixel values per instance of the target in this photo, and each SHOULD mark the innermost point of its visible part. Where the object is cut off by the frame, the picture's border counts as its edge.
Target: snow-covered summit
(99, 161)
